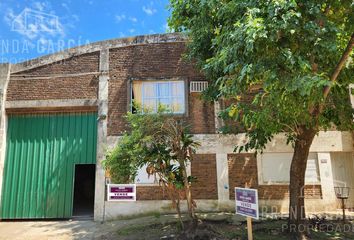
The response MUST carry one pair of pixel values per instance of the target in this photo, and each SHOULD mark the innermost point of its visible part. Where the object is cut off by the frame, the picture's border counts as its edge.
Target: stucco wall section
(330, 141)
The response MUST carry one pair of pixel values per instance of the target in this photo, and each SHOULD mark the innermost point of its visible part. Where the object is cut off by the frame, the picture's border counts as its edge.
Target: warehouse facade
(60, 113)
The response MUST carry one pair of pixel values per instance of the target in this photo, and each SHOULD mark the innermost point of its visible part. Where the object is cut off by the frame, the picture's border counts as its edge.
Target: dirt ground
(156, 226)
(76, 229)
(231, 228)
(43, 230)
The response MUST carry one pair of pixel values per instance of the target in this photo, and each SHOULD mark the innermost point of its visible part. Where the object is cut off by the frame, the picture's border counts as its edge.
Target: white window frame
(183, 97)
(261, 180)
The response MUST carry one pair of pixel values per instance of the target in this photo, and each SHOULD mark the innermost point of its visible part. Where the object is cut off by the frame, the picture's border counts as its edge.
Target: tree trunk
(188, 192)
(297, 179)
(178, 208)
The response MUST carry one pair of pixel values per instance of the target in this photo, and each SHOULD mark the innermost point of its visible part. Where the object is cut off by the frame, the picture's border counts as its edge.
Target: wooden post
(249, 222)
(249, 228)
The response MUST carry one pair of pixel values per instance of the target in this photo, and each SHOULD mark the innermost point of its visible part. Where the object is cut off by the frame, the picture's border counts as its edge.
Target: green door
(41, 154)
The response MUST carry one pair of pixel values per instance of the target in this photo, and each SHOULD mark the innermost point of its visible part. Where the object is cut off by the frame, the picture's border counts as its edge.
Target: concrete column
(222, 170)
(101, 135)
(4, 80)
(218, 121)
(327, 183)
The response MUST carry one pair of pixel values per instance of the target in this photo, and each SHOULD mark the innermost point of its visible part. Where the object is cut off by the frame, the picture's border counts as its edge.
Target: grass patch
(126, 231)
(135, 216)
(151, 231)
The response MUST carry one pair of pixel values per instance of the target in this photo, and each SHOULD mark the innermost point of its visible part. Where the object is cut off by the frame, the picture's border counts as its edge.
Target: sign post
(249, 228)
(247, 205)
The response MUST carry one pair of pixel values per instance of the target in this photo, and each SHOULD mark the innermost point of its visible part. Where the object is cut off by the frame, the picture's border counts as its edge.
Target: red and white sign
(121, 192)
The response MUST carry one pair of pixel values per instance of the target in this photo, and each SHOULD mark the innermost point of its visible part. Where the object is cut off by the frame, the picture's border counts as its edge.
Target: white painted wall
(351, 88)
(343, 173)
(275, 168)
(326, 176)
(222, 171)
(144, 178)
(330, 141)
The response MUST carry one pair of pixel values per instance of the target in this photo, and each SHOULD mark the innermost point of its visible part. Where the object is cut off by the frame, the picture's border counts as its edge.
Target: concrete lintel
(330, 141)
(55, 103)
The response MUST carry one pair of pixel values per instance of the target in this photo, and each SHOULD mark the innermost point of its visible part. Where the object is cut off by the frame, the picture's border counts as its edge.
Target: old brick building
(61, 112)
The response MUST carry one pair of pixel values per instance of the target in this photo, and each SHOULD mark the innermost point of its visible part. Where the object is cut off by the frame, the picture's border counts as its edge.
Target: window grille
(198, 86)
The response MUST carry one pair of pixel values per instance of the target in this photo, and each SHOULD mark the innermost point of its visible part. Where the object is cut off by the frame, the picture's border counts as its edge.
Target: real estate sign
(247, 202)
(121, 192)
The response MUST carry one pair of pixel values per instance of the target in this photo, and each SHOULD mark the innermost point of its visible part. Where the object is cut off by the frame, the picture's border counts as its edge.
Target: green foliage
(159, 141)
(287, 50)
(132, 151)
(151, 141)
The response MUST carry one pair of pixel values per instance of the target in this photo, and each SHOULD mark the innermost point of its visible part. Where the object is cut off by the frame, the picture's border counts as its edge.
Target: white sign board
(121, 192)
(247, 202)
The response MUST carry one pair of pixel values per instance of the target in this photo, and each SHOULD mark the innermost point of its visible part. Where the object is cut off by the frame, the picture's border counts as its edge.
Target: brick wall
(25, 86)
(153, 61)
(150, 193)
(204, 169)
(201, 114)
(270, 192)
(243, 169)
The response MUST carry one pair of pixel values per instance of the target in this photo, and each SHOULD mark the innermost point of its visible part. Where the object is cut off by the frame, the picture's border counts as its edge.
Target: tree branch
(335, 73)
(340, 65)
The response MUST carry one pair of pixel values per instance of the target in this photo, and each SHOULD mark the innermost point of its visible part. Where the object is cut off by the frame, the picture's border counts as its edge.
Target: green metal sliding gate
(41, 154)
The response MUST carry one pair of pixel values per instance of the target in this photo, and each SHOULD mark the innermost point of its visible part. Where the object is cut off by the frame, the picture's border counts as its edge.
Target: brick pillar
(101, 135)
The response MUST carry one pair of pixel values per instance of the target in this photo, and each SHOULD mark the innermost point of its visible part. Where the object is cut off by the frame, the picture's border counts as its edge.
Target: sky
(31, 28)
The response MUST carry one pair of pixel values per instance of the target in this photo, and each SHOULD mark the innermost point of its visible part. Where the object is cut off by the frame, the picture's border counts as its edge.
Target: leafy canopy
(285, 50)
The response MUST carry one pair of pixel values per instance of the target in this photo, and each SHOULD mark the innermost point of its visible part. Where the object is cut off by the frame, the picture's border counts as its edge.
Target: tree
(161, 143)
(296, 56)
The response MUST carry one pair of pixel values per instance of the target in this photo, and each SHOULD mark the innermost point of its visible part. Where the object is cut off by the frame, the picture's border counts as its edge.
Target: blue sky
(31, 28)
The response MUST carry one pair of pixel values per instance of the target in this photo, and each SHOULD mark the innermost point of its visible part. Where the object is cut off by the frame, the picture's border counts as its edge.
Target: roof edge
(97, 46)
